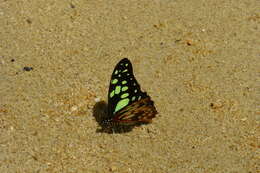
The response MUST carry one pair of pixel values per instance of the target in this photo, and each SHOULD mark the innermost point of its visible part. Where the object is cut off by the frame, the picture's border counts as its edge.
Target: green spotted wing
(127, 104)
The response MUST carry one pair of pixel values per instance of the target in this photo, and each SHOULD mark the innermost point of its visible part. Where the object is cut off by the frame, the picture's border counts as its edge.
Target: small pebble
(217, 105)
(29, 21)
(72, 6)
(73, 108)
(112, 168)
(97, 99)
(27, 68)
(189, 42)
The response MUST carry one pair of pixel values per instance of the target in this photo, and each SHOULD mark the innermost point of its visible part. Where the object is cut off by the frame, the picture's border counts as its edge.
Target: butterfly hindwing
(142, 110)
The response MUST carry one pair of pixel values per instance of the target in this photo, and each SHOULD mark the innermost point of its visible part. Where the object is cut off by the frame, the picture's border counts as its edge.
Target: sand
(198, 60)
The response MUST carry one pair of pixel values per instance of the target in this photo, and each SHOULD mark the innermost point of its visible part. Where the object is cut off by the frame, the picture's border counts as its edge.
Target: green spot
(124, 88)
(119, 75)
(124, 95)
(112, 94)
(135, 91)
(116, 72)
(133, 98)
(124, 82)
(118, 89)
(114, 81)
(121, 104)
(126, 65)
(139, 97)
(125, 70)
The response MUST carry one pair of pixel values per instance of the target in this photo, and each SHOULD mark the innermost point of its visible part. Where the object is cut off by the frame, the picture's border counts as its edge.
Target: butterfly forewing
(124, 89)
(127, 104)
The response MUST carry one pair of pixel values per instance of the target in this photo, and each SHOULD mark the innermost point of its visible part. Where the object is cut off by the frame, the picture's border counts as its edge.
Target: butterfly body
(127, 104)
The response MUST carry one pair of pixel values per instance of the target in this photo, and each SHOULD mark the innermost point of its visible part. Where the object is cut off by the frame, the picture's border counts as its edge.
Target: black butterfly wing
(124, 88)
(127, 104)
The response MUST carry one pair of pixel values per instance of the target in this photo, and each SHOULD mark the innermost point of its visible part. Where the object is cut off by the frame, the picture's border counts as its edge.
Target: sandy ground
(198, 60)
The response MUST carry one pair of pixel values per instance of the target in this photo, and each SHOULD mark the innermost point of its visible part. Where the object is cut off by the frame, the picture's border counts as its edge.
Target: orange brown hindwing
(141, 111)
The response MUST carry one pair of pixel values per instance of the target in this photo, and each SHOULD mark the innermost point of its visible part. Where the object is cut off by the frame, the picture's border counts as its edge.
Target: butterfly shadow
(100, 113)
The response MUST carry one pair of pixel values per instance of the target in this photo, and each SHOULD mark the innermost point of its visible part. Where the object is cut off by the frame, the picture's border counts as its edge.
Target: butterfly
(127, 104)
